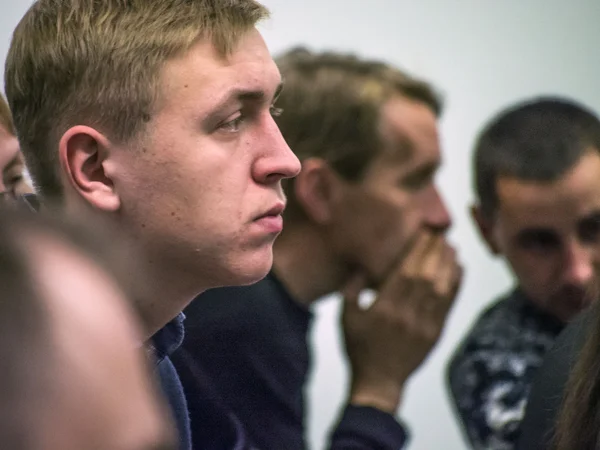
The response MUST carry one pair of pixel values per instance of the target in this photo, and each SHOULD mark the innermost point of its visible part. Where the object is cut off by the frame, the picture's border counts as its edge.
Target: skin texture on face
(374, 220)
(550, 235)
(203, 189)
(103, 397)
(11, 165)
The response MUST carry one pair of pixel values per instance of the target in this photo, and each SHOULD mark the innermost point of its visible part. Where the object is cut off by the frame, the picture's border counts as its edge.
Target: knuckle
(425, 283)
(441, 292)
(405, 275)
(410, 321)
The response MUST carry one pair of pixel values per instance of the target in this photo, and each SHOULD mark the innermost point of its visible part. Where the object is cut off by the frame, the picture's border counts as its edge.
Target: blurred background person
(74, 373)
(363, 213)
(537, 178)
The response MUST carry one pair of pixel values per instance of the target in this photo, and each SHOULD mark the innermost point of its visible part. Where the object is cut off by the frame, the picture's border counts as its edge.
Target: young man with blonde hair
(363, 213)
(157, 117)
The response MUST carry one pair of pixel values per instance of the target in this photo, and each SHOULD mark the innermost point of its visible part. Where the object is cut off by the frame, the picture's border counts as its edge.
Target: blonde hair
(6, 121)
(97, 63)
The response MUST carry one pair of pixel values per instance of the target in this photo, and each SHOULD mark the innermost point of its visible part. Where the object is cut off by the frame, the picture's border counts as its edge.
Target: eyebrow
(535, 231)
(242, 95)
(593, 215)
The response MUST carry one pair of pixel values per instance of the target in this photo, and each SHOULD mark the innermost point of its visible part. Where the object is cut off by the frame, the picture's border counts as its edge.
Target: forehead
(201, 76)
(9, 148)
(563, 201)
(410, 133)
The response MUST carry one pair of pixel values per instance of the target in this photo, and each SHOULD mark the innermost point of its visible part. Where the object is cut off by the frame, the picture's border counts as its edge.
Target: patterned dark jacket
(490, 374)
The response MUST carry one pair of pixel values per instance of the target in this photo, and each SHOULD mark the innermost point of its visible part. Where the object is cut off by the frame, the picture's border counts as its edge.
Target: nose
(276, 161)
(437, 217)
(578, 265)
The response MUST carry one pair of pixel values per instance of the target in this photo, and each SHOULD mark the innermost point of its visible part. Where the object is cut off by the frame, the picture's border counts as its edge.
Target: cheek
(536, 272)
(383, 230)
(399, 219)
(392, 229)
(178, 183)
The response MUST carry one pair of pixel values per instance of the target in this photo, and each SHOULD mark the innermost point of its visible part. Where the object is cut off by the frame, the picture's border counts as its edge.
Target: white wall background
(483, 55)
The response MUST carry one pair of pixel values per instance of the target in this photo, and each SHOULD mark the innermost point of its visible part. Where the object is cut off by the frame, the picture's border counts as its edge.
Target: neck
(158, 291)
(162, 297)
(305, 265)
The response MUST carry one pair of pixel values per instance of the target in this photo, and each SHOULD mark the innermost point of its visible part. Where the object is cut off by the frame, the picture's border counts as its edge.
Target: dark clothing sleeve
(549, 385)
(365, 428)
(251, 342)
(213, 426)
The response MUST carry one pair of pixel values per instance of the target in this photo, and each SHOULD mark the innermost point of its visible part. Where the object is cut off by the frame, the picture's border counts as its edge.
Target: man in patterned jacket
(537, 177)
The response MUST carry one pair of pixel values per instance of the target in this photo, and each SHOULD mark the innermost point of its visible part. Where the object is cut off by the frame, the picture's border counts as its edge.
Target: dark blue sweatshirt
(250, 345)
(217, 428)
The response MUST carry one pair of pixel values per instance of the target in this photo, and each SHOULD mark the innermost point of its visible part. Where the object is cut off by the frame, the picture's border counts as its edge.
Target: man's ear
(83, 154)
(315, 189)
(485, 225)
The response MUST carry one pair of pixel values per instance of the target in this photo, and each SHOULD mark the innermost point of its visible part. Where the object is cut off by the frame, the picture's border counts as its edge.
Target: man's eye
(416, 183)
(589, 230)
(275, 111)
(539, 241)
(15, 180)
(12, 181)
(233, 126)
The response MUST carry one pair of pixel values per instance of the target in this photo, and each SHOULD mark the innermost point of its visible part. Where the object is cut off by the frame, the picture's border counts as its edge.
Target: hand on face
(387, 342)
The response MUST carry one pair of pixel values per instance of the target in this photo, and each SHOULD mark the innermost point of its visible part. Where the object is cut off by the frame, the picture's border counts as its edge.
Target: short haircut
(331, 108)
(537, 140)
(98, 63)
(6, 121)
(27, 346)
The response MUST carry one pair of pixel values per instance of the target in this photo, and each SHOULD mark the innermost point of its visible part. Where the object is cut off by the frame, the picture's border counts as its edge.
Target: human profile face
(376, 218)
(203, 190)
(550, 235)
(12, 167)
(101, 394)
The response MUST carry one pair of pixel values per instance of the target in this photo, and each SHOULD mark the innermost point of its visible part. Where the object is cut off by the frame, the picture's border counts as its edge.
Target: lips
(275, 211)
(271, 221)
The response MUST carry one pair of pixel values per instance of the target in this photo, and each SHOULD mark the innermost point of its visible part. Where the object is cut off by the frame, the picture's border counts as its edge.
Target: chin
(250, 269)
